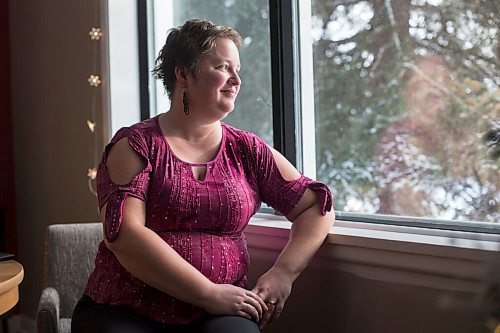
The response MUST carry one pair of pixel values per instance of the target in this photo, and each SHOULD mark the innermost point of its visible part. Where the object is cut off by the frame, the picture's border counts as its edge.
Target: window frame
(143, 29)
(285, 80)
(288, 108)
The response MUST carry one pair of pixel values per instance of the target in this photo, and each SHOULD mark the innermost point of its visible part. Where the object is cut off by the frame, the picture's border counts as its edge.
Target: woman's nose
(235, 79)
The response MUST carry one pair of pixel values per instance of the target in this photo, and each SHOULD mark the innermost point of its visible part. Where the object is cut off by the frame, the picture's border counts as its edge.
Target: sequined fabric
(203, 220)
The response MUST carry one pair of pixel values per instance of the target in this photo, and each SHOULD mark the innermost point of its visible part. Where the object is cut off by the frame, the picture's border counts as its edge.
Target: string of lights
(96, 35)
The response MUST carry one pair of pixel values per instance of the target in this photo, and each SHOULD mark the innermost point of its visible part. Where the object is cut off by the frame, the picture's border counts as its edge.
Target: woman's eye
(227, 68)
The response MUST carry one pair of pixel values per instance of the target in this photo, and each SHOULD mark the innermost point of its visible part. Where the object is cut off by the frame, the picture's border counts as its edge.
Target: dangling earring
(185, 102)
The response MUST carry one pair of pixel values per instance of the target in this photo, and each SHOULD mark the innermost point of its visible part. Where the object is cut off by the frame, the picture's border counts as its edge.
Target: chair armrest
(48, 311)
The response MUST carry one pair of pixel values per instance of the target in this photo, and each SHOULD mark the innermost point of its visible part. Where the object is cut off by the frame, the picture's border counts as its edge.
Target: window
(251, 19)
(407, 106)
(395, 104)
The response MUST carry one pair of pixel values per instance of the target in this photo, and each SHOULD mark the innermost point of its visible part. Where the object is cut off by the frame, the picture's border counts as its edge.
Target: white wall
(124, 63)
(365, 280)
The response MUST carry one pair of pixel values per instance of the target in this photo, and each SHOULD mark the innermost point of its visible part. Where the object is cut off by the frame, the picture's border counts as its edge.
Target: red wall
(8, 241)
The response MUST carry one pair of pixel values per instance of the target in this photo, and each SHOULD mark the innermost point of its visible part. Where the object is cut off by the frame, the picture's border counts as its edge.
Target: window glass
(407, 106)
(253, 111)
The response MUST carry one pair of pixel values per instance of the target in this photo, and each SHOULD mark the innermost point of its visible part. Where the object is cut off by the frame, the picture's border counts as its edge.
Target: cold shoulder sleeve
(283, 195)
(114, 195)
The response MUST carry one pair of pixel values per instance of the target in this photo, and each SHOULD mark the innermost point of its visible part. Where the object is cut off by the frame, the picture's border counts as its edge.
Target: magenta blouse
(203, 220)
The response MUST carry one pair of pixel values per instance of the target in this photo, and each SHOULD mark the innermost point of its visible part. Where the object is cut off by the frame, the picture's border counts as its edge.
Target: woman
(176, 192)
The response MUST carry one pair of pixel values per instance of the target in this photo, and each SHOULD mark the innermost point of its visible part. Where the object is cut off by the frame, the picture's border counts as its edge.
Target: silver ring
(272, 301)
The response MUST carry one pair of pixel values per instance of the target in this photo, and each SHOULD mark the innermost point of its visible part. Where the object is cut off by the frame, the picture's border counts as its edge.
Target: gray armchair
(70, 251)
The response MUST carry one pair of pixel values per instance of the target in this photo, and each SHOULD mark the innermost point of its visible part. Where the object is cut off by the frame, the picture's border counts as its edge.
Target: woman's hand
(273, 287)
(226, 299)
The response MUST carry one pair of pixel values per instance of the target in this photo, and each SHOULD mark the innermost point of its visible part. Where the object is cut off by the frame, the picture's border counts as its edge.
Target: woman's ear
(181, 75)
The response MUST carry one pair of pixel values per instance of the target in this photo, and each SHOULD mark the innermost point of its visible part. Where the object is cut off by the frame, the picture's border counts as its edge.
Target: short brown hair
(185, 46)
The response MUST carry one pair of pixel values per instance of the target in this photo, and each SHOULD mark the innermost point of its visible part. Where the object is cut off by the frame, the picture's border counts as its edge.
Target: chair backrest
(70, 251)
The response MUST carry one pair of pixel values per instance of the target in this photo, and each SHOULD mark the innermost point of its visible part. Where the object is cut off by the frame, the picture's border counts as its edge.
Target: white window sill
(450, 260)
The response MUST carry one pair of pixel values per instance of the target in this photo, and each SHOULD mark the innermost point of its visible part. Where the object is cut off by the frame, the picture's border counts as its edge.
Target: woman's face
(217, 82)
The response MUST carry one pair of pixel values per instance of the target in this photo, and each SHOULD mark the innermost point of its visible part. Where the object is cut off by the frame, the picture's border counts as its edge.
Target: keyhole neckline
(193, 164)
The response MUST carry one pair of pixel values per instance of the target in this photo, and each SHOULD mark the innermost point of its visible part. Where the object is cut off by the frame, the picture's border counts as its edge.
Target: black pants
(91, 317)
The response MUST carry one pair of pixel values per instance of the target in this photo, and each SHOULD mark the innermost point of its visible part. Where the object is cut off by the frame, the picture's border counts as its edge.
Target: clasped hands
(263, 304)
